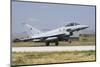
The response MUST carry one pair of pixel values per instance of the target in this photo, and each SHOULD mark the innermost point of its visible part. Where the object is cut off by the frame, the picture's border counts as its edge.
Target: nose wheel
(70, 41)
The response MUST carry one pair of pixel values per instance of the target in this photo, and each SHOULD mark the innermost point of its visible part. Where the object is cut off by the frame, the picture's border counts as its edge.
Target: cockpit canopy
(72, 24)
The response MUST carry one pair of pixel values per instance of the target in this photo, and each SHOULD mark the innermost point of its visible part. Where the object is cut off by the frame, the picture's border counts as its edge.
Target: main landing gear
(48, 43)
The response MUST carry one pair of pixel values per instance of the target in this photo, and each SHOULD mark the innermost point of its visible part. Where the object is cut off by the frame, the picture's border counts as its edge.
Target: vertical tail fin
(31, 30)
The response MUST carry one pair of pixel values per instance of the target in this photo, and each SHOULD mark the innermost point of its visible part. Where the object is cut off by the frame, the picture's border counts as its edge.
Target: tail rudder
(31, 30)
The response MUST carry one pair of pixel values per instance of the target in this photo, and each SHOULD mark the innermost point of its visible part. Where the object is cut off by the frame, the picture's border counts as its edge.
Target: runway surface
(52, 48)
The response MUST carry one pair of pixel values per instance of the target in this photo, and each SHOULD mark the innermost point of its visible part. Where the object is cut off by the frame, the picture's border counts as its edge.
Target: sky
(45, 16)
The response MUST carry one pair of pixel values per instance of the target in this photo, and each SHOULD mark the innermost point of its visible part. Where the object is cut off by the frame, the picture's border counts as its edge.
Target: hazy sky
(50, 16)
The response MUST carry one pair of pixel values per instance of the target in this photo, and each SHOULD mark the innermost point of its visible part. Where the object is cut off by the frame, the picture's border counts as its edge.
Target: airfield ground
(53, 48)
(24, 58)
(61, 43)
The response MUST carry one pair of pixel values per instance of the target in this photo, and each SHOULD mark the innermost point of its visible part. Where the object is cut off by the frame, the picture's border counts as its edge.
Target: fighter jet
(56, 35)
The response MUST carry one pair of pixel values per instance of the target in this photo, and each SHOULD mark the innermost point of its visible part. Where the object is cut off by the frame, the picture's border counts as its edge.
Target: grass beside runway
(61, 43)
(24, 58)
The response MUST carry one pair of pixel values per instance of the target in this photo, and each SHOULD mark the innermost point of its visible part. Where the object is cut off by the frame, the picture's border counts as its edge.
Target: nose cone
(81, 27)
(84, 27)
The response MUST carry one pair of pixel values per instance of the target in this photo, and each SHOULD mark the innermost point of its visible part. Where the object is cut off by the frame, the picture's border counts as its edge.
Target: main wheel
(56, 43)
(47, 43)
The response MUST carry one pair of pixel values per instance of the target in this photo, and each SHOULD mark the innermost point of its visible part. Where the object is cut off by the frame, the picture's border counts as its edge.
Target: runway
(52, 48)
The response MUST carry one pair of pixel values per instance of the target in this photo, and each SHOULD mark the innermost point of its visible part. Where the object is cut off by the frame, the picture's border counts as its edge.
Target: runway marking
(52, 48)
